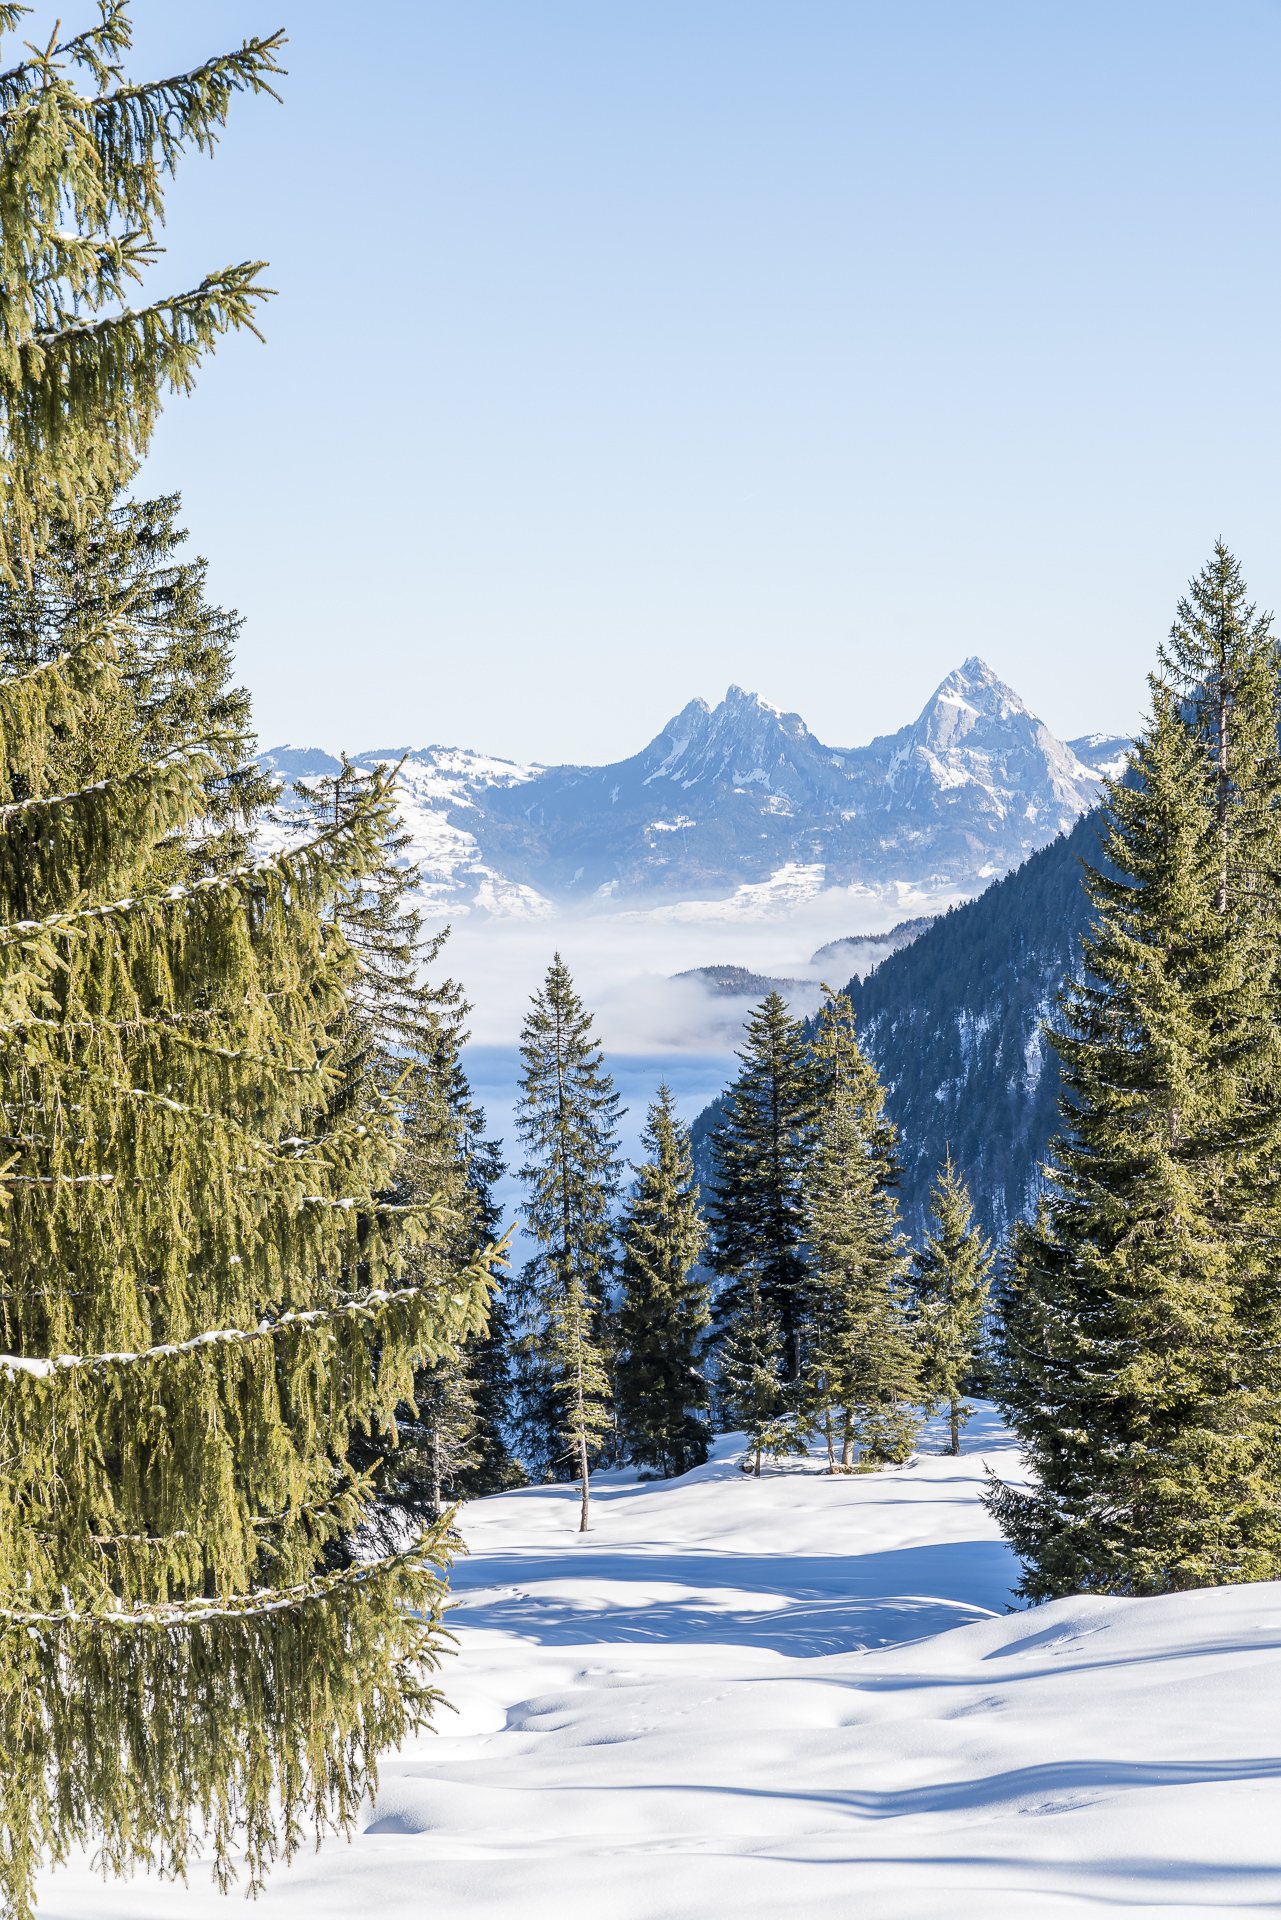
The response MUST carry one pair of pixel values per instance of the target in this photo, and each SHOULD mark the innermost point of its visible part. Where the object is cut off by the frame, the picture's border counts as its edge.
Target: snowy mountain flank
(739, 1699)
(739, 798)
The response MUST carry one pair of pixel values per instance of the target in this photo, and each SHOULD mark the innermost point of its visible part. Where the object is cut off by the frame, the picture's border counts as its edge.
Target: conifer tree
(582, 1384)
(861, 1363)
(1140, 1312)
(952, 1277)
(197, 1266)
(665, 1307)
(759, 1151)
(567, 1120)
(752, 1383)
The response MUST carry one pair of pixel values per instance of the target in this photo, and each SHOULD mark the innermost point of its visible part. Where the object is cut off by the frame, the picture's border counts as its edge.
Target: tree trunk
(582, 1465)
(435, 1471)
(956, 1426)
(847, 1446)
(758, 1463)
(827, 1433)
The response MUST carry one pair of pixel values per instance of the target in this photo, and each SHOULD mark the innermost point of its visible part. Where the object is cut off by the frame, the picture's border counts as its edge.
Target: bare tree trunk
(847, 1446)
(758, 1463)
(827, 1434)
(582, 1467)
(956, 1425)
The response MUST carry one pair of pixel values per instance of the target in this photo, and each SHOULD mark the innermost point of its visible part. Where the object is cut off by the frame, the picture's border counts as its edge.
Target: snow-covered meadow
(735, 1699)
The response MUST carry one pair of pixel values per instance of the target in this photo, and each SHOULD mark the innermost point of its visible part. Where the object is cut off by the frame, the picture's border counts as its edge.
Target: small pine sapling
(582, 1383)
(952, 1276)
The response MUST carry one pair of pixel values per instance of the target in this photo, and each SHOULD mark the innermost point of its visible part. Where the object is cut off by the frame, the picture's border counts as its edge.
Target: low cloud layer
(623, 963)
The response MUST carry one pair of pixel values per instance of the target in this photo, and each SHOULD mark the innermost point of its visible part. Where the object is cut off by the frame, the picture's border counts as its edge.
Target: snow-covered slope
(743, 803)
(738, 1699)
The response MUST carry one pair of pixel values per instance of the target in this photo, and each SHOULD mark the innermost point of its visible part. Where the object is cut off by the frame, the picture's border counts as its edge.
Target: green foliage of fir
(567, 1121)
(172, 687)
(759, 1150)
(751, 1378)
(860, 1375)
(1140, 1315)
(82, 179)
(952, 1277)
(664, 1312)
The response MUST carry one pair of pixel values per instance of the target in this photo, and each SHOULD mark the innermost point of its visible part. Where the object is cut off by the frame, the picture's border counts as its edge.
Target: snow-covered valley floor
(735, 1699)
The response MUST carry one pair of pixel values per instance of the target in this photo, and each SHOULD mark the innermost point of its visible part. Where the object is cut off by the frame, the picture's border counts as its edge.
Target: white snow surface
(735, 1698)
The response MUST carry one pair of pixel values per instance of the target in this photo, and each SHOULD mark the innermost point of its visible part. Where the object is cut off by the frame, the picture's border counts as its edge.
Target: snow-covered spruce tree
(860, 1358)
(751, 1382)
(1139, 1317)
(196, 1271)
(83, 163)
(952, 1278)
(402, 1035)
(759, 1150)
(567, 1120)
(664, 1311)
(174, 656)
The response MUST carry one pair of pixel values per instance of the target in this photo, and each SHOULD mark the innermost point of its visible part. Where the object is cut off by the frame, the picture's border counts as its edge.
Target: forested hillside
(953, 1023)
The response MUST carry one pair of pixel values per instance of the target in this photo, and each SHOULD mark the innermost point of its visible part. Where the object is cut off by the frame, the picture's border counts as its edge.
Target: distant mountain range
(739, 798)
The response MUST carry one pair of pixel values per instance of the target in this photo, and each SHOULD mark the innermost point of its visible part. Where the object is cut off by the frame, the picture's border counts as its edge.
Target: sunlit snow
(736, 1699)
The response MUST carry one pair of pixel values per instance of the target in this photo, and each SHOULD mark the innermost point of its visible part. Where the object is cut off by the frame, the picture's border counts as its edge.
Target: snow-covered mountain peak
(726, 799)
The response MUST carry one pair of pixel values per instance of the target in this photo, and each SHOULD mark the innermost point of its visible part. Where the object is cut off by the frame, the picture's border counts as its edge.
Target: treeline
(787, 1303)
(1129, 1326)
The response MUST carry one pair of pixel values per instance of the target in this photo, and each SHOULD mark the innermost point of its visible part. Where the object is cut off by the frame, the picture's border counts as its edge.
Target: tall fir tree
(759, 1152)
(665, 1307)
(567, 1120)
(952, 1278)
(196, 1265)
(1140, 1313)
(861, 1370)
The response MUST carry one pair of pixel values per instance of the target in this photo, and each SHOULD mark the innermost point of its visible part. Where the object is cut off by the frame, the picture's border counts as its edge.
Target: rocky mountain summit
(735, 796)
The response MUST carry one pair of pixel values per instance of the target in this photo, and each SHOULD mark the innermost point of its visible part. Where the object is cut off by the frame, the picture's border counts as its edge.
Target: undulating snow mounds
(736, 1699)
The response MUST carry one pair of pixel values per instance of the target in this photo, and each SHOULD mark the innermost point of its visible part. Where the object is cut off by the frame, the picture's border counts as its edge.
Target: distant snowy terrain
(737, 1699)
(742, 812)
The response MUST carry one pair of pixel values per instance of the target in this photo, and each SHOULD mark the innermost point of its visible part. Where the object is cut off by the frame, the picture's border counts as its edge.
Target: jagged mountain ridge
(734, 796)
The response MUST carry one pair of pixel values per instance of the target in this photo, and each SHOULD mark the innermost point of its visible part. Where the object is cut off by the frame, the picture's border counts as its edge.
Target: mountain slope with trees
(953, 1024)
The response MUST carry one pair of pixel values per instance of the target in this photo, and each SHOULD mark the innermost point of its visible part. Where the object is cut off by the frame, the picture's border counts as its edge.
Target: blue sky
(626, 350)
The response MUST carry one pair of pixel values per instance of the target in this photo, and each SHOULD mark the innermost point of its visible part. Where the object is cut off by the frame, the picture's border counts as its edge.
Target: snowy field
(736, 1699)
